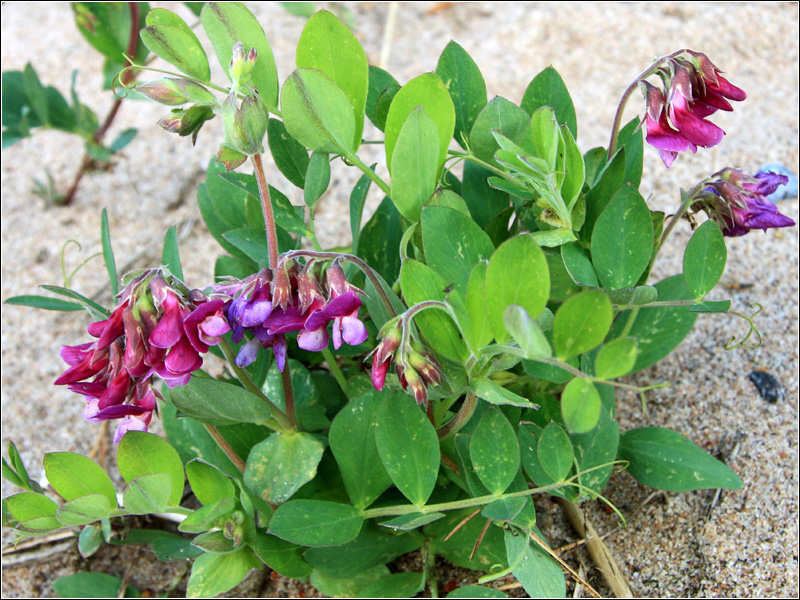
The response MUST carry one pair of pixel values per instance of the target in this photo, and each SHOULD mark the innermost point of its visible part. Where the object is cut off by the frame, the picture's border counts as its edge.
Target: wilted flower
(738, 202)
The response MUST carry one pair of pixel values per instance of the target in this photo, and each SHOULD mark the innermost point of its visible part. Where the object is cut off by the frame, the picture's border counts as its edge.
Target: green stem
(484, 164)
(266, 207)
(288, 397)
(353, 158)
(429, 568)
(335, 370)
(462, 417)
(615, 128)
(226, 447)
(249, 385)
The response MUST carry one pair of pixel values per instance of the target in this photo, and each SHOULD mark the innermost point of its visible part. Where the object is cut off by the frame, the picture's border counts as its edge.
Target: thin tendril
(732, 344)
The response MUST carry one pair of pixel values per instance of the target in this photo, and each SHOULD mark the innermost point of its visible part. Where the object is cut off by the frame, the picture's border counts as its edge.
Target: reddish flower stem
(266, 207)
(133, 41)
(226, 448)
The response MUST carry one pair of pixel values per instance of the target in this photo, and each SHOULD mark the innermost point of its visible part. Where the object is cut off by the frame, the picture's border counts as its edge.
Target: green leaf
(290, 156)
(548, 89)
(408, 447)
(44, 302)
(216, 403)
(631, 140)
(579, 265)
(215, 542)
(215, 574)
(226, 23)
(574, 169)
(93, 585)
(420, 283)
(616, 358)
(28, 505)
(659, 330)
(100, 312)
(634, 296)
(396, 585)
(281, 464)
(539, 574)
(476, 591)
(108, 253)
(427, 91)
(352, 440)
(504, 509)
(517, 274)
(373, 546)
(664, 459)
(555, 452)
(458, 548)
(358, 197)
(711, 307)
(251, 241)
(494, 451)
(327, 45)
(601, 451)
(466, 86)
(379, 81)
(316, 523)
(609, 181)
(475, 303)
(149, 494)
(580, 405)
(501, 116)
(143, 453)
(526, 332)
(488, 390)
(282, 556)
(84, 510)
(318, 177)
(125, 137)
(36, 93)
(379, 242)
(622, 240)
(346, 587)
(582, 323)
(299, 9)
(90, 540)
(317, 113)
(73, 476)
(178, 47)
(485, 202)
(209, 516)
(704, 259)
(415, 165)
(209, 484)
(453, 256)
(412, 521)
(170, 256)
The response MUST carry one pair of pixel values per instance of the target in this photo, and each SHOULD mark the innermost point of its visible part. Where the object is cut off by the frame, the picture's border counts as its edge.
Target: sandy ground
(675, 544)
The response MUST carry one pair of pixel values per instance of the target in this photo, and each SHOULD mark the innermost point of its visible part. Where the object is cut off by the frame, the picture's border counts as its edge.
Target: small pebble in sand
(767, 385)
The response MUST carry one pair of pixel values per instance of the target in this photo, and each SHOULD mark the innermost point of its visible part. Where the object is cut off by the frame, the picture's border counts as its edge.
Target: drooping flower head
(738, 202)
(693, 89)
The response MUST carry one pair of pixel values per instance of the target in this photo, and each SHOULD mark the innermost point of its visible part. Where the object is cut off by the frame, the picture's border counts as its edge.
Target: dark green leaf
(352, 440)
(178, 47)
(93, 307)
(601, 451)
(711, 307)
(493, 393)
(484, 201)
(408, 447)
(149, 494)
(453, 256)
(464, 81)
(704, 259)
(358, 198)
(579, 265)
(252, 241)
(318, 177)
(290, 156)
(281, 556)
(84, 510)
(396, 585)
(501, 116)
(93, 585)
(548, 89)
(539, 574)
(170, 256)
(632, 141)
(609, 182)
(622, 240)
(90, 540)
(108, 253)
(379, 81)
(215, 574)
(281, 464)
(316, 523)
(346, 587)
(494, 451)
(457, 549)
(476, 591)
(504, 509)
(412, 521)
(666, 460)
(555, 452)
(475, 303)
(217, 403)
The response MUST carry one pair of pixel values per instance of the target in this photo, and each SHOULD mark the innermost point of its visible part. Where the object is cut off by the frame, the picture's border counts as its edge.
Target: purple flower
(739, 203)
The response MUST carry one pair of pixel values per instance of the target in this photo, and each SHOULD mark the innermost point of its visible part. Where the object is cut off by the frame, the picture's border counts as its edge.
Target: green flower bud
(187, 122)
(174, 92)
(245, 126)
(241, 66)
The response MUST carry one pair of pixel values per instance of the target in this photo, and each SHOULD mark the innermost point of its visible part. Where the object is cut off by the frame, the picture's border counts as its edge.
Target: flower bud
(241, 65)
(244, 126)
(188, 121)
(173, 92)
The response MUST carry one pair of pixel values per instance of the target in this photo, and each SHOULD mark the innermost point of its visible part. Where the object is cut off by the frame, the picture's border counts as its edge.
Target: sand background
(675, 544)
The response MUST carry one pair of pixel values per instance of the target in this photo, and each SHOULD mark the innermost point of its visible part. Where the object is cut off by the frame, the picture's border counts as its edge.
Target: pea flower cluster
(739, 203)
(158, 327)
(268, 305)
(676, 114)
(415, 366)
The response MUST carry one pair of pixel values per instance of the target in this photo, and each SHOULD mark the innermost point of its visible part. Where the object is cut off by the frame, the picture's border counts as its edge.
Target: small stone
(767, 385)
(784, 192)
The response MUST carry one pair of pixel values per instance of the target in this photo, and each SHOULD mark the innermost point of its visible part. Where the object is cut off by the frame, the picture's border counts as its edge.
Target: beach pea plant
(417, 389)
